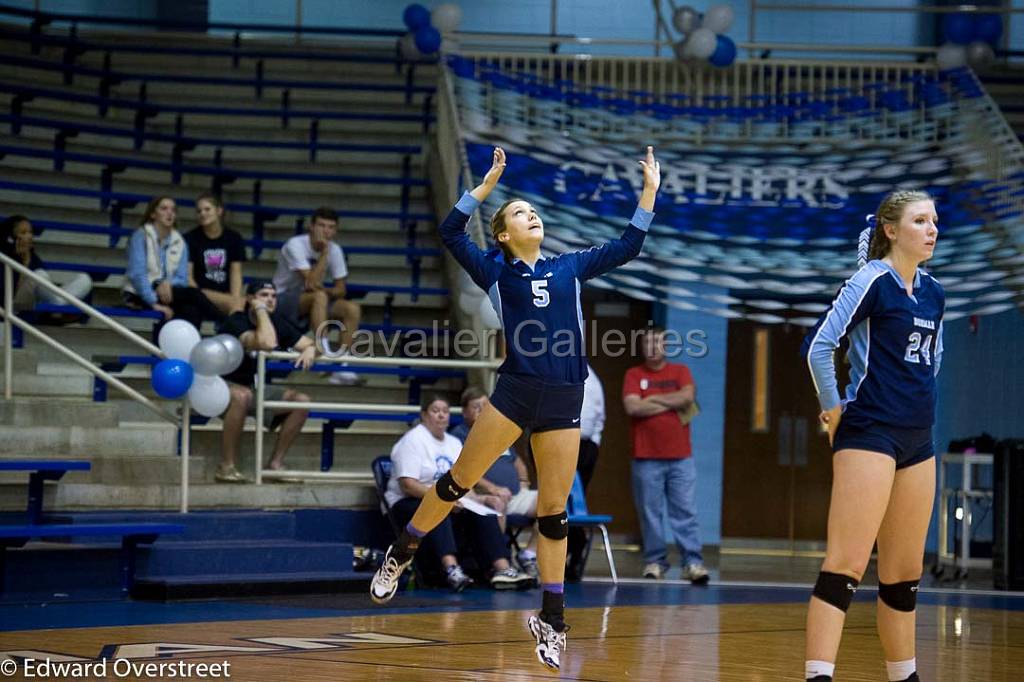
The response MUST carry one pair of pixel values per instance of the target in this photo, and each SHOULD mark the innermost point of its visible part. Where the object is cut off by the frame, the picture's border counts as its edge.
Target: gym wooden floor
(637, 631)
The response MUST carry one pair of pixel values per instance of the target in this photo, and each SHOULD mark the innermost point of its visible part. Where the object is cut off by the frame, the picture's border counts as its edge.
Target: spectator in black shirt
(216, 254)
(259, 327)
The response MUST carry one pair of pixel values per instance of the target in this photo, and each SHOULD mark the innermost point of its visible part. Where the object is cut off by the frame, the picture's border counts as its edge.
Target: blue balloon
(416, 16)
(725, 52)
(172, 378)
(988, 27)
(959, 28)
(428, 39)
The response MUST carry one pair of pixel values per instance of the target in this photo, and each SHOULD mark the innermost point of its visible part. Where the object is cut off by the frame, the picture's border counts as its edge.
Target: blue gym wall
(708, 429)
(135, 9)
(593, 18)
(980, 385)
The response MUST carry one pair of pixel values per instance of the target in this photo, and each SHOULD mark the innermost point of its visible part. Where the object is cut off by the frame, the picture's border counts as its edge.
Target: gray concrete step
(56, 411)
(85, 441)
(69, 497)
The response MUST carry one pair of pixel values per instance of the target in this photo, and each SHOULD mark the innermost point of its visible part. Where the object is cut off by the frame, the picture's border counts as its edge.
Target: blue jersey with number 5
(895, 347)
(540, 307)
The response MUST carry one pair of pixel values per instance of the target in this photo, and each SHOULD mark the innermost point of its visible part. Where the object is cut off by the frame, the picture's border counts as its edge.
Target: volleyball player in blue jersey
(883, 463)
(540, 384)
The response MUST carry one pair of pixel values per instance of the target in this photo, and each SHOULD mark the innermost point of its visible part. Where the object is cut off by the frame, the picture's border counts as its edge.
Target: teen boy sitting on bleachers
(261, 327)
(303, 264)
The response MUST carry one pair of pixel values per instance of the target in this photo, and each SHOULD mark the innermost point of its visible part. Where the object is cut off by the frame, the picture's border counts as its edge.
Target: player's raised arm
(453, 229)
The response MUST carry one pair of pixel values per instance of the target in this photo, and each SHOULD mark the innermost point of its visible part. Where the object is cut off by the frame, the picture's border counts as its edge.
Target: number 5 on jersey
(541, 297)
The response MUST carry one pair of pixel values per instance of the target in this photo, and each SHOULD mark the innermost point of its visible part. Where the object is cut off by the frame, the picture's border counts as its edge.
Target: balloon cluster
(703, 36)
(426, 29)
(970, 38)
(194, 366)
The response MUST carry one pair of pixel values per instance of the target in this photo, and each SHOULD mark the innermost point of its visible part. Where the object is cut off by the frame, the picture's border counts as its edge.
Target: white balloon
(701, 43)
(177, 339)
(447, 17)
(951, 56)
(718, 18)
(407, 46)
(209, 396)
(488, 316)
(685, 19)
(469, 301)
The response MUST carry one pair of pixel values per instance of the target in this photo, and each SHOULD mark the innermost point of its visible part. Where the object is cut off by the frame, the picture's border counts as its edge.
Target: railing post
(8, 332)
(186, 450)
(261, 379)
(286, 97)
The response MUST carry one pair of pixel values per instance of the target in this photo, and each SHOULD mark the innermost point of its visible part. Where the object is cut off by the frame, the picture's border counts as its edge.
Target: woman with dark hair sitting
(16, 242)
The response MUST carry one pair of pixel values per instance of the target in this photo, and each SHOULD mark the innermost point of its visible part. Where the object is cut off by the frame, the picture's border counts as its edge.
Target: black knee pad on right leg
(835, 589)
(555, 526)
(899, 596)
(448, 490)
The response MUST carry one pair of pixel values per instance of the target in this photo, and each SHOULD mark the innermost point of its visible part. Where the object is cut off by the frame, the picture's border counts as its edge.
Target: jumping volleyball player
(539, 388)
(881, 432)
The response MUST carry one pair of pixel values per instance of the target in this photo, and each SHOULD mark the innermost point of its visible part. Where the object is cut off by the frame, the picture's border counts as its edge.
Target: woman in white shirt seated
(418, 459)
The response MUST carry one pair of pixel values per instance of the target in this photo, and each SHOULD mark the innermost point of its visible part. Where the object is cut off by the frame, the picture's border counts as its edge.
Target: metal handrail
(11, 320)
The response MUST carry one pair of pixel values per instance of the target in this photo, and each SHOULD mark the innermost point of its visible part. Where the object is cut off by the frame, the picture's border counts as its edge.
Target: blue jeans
(661, 485)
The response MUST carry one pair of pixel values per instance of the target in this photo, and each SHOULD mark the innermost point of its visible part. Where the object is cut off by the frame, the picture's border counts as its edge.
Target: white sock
(814, 668)
(527, 555)
(901, 670)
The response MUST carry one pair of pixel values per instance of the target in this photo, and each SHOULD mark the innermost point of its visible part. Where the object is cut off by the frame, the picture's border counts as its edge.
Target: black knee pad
(555, 526)
(835, 589)
(899, 596)
(448, 490)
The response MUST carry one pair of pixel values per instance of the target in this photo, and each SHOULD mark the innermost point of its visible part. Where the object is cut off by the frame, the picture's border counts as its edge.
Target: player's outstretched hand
(652, 170)
(497, 168)
(493, 175)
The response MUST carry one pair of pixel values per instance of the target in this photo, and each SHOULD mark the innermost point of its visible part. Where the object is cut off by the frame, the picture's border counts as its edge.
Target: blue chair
(576, 507)
(381, 467)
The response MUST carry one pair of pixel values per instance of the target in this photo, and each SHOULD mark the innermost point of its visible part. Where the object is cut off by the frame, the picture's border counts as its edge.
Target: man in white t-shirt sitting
(304, 263)
(424, 454)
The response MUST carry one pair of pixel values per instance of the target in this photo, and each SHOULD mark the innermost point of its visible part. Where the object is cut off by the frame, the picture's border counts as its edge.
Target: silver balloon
(701, 43)
(685, 19)
(236, 353)
(980, 54)
(209, 358)
(718, 18)
(951, 56)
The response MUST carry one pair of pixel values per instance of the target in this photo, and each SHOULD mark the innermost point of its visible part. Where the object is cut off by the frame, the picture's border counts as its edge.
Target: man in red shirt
(658, 395)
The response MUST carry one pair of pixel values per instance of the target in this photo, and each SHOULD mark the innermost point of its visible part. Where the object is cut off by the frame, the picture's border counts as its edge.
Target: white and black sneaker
(457, 579)
(385, 580)
(511, 579)
(550, 642)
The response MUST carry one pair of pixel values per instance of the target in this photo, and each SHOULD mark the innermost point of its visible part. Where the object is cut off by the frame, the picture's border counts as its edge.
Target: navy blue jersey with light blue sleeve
(895, 347)
(540, 307)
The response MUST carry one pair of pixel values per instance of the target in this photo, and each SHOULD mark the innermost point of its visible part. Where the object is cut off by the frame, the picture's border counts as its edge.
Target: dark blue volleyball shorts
(907, 446)
(537, 405)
